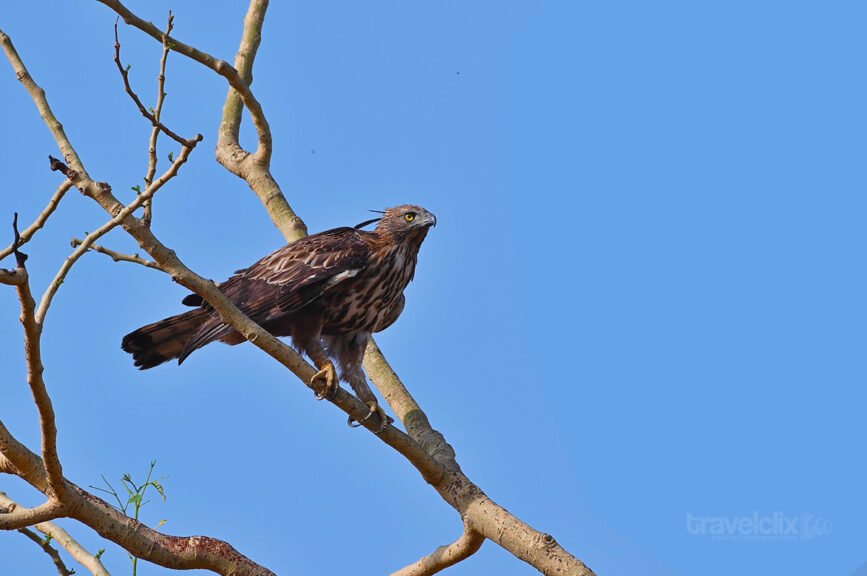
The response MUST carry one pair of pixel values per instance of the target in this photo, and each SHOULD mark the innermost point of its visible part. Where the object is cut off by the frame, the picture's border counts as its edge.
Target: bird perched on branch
(328, 291)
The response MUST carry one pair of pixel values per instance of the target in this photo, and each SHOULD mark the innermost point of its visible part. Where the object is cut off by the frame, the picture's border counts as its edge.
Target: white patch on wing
(342, 276)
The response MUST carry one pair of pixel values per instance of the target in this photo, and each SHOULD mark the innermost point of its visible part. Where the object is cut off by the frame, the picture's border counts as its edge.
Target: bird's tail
(161, 341)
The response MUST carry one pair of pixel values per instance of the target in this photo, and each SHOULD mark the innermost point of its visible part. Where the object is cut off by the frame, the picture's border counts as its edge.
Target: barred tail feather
(162, 341)
(210, 330)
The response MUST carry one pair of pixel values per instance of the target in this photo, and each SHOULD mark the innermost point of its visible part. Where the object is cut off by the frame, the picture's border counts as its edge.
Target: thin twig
(155, 133)
(152, 118)
(118, 256)
(40, 221)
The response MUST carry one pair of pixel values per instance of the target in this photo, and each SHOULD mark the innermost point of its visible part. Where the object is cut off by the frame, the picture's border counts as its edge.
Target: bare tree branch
(40, 221)
(23, 517)
(445, 556)
(254, 169)
(118, 256)
(62, 537)
(33, 355)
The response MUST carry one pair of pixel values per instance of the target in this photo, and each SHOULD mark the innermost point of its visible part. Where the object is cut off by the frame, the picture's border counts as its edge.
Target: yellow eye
(409, 216)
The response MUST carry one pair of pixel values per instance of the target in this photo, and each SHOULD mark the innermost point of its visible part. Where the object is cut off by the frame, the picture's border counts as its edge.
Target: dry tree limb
(33, 355)
(254, 169)
(40, 221)
(62, 537)
(53, 471)
(118, 256)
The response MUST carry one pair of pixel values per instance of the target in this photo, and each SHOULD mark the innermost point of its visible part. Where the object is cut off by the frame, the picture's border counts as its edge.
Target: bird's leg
(324, 382)
(359, 385)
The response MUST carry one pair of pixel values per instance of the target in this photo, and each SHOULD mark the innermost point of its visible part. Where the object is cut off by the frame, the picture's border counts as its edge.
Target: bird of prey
(328, 291)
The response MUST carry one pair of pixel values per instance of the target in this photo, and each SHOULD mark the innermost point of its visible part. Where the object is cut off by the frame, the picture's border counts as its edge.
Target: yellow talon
(325, 382)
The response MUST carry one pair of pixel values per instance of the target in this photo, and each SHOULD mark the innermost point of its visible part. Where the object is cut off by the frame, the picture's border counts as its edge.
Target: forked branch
(62, 537)
(117, 256)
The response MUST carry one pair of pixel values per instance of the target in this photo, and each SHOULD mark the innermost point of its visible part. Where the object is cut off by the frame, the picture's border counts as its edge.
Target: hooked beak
(429, 219)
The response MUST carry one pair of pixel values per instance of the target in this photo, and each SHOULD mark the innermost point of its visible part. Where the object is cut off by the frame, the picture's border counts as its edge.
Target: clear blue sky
(641, 316)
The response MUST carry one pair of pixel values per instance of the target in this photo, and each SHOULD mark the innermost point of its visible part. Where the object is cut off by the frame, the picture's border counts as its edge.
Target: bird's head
(406, 221)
